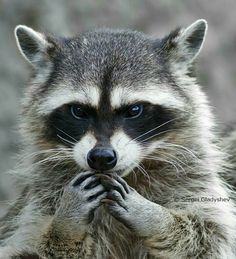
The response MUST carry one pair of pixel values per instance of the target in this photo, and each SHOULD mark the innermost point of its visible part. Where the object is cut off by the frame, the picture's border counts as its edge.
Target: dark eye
(78, 112)
(134, 111)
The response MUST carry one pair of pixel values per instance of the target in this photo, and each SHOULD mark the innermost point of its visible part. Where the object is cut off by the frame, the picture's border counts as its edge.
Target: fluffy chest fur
(114, 240)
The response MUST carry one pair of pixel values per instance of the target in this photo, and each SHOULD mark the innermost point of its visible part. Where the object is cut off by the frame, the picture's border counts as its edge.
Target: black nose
(102, 159)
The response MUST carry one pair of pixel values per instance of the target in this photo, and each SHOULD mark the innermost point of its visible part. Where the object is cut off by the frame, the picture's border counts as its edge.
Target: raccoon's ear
(182, 46)
(34, 46)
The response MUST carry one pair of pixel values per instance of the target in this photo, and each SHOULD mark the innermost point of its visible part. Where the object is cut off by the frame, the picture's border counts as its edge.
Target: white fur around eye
(152, 93)
(89, 95)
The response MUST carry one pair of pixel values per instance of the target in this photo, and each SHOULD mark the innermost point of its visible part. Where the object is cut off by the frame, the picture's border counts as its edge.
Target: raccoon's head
(113, 98)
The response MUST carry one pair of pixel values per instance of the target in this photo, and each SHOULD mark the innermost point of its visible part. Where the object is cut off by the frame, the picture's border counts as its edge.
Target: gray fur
(149, 213)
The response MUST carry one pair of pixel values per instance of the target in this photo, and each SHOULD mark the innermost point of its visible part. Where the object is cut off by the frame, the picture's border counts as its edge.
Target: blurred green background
(216, 67)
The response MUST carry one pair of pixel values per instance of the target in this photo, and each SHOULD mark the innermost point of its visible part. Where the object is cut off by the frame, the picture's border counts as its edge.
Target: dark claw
(117, 178)
(80, 179)
(92, 184)
(91, 215)
(122, 182)
(94, 197)
(108, 201)
(110, 183)
(113, 197)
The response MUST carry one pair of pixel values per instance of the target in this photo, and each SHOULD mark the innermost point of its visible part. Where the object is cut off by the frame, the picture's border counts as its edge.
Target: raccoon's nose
(102, 159)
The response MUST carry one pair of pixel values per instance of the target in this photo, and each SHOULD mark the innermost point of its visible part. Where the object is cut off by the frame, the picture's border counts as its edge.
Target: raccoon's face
(110, 97)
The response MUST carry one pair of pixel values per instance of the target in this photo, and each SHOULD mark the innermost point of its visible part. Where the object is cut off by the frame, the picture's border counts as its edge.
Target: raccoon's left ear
(34, 46)
(182, 46)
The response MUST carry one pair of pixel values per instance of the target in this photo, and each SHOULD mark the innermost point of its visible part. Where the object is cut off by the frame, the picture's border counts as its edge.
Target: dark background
(216, 67)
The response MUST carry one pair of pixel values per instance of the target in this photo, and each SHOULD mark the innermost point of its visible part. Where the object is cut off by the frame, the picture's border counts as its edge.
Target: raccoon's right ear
(34, 46)
(182, 46)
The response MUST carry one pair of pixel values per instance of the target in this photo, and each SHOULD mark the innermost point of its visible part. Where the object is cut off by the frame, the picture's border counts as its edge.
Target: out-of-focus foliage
(217, 64)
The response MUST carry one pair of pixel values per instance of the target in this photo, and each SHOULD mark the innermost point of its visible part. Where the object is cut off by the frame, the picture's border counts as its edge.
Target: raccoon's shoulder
(228, 141)
(228, 144)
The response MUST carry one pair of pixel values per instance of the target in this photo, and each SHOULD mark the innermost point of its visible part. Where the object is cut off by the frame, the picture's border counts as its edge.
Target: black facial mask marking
(63, 126)
(154, 121)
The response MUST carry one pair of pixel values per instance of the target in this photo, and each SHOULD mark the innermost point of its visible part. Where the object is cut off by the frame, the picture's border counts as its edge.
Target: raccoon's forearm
(46, 236)
(67, 236)
(63, 240)
(188, 236)
(62, 235)
(169, 233)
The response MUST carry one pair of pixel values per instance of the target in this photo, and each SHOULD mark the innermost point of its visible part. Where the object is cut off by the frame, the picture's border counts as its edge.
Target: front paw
(81, 198)
(129, 207)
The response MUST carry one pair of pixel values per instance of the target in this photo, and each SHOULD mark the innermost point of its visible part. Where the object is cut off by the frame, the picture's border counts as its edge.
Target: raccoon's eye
(134, 111)
(78, 112)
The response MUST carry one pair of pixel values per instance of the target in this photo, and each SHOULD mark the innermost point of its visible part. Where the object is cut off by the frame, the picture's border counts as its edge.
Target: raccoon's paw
(81, 198)
(132, 209)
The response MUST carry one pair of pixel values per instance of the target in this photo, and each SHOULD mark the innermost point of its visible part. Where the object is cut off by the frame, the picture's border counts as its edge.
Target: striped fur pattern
(170, 194)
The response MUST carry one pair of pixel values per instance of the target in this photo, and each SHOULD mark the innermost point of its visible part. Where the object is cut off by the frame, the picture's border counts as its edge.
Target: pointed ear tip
(19, 28)
(201, 23)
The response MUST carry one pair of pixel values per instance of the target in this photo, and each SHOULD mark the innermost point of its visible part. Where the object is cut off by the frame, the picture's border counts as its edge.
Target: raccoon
(121, 156)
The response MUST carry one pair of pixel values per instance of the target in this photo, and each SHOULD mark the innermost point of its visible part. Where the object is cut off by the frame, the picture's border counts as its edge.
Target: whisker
(144, 172)
(159, 126)
(186, 149)
(175, 160)
(134, 175)
(65, 140)
(158, 152)
(50, 159)
(54, 157)
(182, 153)
(157, 134)
(162, 160)
(176, 147)
(67, 134)
(182, 147)
(40, 152)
